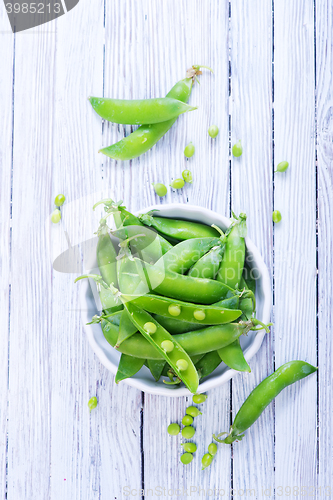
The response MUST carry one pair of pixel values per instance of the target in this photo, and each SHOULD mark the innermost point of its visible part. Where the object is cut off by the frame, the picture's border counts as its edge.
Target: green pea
(187, 175)
(59, 200)
(199, 315)
(150, 327)
(186, 458)
(199, 398)
(188, 432)
(193, 411)
(189, 447)
(206, 460)
(189, 150)
(187, 420)
(282, 166)
(237, 149)
(182, 364)
(173, 429)
(167, 345)
(213, 130)
(174, 310)
(177, 184)
(212, 449)
(160, 189)
(92, 403)
(276, 216)
(56, 216)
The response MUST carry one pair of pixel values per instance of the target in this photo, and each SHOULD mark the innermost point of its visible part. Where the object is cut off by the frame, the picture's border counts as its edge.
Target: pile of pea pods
(175, 296)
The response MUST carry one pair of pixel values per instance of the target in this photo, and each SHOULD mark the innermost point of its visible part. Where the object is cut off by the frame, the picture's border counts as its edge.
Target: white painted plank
(92, 457)
(295, 241)
(324, 53)
(30, 369)
(6, 111)
(251, 183)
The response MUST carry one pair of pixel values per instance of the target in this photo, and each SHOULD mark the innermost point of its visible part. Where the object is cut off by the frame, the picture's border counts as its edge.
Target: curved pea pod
(178, 286)
(139, 111)
(126, 328)
(184, 311)
(186, 372)
(263, 395)
(249, 279)
(232, 355)
(181, 257)
(156, 367)
(246, 305)
(231, 268)
(207, 364)
(144, 242)
(208, 265)
(128, 366)
(194, 343)
(128, 277)
(179, 229)
(106, 260)
(108, 301)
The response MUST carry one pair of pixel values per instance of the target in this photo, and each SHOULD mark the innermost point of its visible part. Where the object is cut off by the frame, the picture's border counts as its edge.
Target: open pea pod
(185, 311)
(232, 355)
(128, 366)
(177, 357)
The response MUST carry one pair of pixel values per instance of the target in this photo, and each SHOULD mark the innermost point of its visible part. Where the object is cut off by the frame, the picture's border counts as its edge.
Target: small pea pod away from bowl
(155, 120)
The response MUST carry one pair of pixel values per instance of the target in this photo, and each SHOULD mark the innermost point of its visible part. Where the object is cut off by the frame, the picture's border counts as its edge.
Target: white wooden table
(272, 88)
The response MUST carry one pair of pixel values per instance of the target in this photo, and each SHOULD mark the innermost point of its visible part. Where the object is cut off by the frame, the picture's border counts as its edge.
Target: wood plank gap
(142, 452)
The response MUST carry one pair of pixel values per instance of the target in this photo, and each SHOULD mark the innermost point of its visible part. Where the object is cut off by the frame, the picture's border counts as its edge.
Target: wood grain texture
(251, 192)
(295, 240)
(324, 50)
(6, 115)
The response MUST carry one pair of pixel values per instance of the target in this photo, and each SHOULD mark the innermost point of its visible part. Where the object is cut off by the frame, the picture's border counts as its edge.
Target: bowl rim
(165, 390)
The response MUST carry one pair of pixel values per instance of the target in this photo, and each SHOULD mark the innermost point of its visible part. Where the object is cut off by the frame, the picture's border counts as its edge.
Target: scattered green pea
(199, 398)
(213, 130)
(59, 200)
(282, 166)
(212, 449)
(182, 364)
(56, 216)
(186, 458)
(177, 184)
(199, 315)
(189, 447)
(189, 150)
(160, 189)
(188, 432)
(150, 327)
(92, 403)
(174, 310)
(187, 420)
(173, 429)
(206, 460)
(276, 216)
(193, 411)
(237, 149)
(167, 345)
(187, 175)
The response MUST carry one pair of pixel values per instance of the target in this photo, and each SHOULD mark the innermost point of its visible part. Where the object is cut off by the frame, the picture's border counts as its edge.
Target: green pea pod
(146, 136)
(126, 328)
(232, 264)
(246, 305)
(194, 343)
(177, 358)
(184, 311)
(128, 277)
(208, 265)
(229, 303)
(232, 355)
(178, 286)
(179, 229)
(139, 111)
(249, 279)
(128, 366)
(108, 301)
(149, 245)
(156, 367)
(263, 395)
(106, 260)
(181, 257)
(208, 363)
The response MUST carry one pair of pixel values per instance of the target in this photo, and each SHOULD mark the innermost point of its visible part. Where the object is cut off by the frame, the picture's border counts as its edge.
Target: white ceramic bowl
(251, 343)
